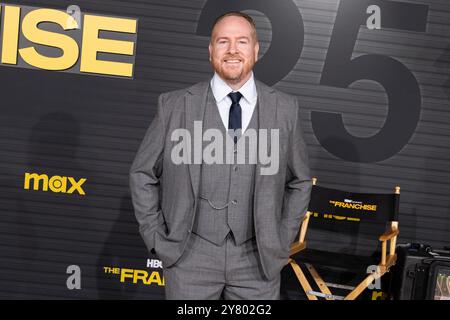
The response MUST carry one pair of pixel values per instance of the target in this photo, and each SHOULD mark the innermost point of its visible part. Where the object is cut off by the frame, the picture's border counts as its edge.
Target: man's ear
(210, 51)
(256, 51)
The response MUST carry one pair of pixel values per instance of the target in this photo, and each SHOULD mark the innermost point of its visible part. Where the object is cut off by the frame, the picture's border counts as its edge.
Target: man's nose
(233, 47)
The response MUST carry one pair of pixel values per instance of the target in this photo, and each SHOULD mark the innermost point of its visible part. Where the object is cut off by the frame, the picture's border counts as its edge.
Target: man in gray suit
(222, 230)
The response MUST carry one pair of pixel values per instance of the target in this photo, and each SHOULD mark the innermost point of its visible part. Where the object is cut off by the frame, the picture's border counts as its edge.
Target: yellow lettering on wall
(92, 44)
(378, 295)
(155, 278)
(140, 275)
(76, 185)
(126, 273)
(68, 45)
(10, 41)
(36, 177)
(58, 184)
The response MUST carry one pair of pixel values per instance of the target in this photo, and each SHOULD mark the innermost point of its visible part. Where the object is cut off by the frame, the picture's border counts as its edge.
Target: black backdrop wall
(375, 106)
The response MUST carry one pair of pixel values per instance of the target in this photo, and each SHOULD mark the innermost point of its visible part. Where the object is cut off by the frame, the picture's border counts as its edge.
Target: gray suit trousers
(206, 271)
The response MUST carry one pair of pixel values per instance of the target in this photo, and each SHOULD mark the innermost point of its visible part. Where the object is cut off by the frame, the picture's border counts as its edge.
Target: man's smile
(232, 61)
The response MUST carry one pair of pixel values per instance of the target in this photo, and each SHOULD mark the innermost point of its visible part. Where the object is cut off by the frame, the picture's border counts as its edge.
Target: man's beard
(234, 76)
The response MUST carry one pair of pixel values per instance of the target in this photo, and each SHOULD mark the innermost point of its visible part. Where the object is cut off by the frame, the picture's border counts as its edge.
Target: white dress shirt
(221, 90)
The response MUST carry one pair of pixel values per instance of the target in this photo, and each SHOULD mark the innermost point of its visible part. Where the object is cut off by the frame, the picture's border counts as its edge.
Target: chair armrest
(304, 227)
(297, 247)
(389, 235)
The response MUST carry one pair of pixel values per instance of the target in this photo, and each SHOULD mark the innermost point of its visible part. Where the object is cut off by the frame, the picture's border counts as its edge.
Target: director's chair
(362, 218)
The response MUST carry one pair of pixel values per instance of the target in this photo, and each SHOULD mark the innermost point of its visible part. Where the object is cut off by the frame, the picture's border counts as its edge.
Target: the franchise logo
(346, 204)
(356, 205)
(139, 276)
(57, 184)
(55, 40)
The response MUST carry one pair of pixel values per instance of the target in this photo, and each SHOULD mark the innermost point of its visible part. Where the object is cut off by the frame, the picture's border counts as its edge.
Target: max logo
(56, 184)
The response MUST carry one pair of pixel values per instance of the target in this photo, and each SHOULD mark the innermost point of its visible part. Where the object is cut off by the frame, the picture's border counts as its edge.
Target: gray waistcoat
(226, 190)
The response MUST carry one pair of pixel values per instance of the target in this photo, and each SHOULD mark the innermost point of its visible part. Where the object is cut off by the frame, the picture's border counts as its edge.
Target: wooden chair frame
(386, 262)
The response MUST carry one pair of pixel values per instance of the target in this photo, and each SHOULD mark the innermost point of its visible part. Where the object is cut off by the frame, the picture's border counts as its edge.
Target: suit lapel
(195, 103)
(267, 116)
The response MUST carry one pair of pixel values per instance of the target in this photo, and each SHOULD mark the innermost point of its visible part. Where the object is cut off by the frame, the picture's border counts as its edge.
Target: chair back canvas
(349, 222)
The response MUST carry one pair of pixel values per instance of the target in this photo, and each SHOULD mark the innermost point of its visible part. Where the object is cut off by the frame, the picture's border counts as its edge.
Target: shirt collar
(221, 89)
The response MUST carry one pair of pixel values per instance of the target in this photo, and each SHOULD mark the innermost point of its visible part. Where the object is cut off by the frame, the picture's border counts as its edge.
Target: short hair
(236, 14)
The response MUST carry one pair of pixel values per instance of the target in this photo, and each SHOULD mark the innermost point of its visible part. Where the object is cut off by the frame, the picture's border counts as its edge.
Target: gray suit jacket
(165, 195)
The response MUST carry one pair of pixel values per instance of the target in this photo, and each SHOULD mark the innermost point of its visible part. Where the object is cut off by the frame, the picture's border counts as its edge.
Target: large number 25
(340, 70)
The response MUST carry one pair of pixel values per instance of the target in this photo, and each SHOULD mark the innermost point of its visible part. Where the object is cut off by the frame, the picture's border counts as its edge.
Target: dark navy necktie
(235, 117)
